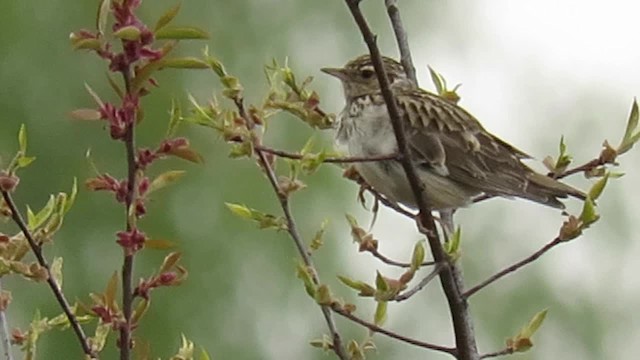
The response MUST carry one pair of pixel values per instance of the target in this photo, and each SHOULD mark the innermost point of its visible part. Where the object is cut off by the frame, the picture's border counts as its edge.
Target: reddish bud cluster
(120, 188)
(166, 147)
(168, 278)
(131, 241)
(120, 118)
(8, 182)
(107, 315)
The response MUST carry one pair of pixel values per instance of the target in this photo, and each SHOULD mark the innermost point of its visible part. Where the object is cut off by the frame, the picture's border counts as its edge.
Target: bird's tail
(545, 190)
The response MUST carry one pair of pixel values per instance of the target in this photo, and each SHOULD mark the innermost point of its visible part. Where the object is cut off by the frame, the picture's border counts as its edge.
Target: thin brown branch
(126, 341)
(401, 38)
(377, 329)
(450, 276)
(292, 228)
(426, 280)
(588, 166)
(502, 352)
(392, 205)
(335, 160)
(555, 242)
(57, 291)
(392, 262)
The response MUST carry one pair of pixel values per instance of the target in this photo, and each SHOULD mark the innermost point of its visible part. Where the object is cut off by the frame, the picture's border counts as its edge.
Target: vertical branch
(127, 265)
(450, 277)
(401, 39)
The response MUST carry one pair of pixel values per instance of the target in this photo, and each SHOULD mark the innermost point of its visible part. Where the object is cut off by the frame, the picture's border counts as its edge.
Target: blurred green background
(530, 72)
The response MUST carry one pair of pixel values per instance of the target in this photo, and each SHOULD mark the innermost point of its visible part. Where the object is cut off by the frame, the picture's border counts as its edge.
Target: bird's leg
(446, 222)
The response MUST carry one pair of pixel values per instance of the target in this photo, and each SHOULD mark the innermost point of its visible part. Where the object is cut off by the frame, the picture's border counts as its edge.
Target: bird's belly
(388, 177)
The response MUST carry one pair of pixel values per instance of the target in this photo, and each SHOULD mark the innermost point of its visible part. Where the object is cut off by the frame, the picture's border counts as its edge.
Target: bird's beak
(340, 73)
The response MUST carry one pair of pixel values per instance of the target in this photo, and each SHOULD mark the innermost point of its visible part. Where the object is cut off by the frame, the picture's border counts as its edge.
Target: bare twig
(392, 205)
(335, 160)
(401, 38)
(450, 276)
(57, 291)
(588, 166)
(375, 328)
(502, 352)
(4, 332)
(427, 279)
(513, 267)
(392, 262)
(292, 228)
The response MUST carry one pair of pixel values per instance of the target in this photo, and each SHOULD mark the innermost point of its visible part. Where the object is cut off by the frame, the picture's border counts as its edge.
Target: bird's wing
(449, 140)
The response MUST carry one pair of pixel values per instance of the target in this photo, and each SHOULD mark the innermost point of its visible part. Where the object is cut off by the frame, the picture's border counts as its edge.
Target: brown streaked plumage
(455, 157)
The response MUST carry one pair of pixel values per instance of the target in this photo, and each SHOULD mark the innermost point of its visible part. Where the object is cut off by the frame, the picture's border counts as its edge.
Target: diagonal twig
(426, 280)
(57, 291)
(450, 276)
(401, 39)
(555, 242)
(377, 329)
(283, 199)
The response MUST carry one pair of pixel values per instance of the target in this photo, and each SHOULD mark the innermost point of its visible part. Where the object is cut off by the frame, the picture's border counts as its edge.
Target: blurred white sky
(530, 72)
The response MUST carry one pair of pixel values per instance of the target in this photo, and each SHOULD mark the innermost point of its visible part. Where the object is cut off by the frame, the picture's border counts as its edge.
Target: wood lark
(455, 157)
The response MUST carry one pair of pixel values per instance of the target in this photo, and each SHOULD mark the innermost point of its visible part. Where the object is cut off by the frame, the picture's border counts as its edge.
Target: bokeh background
(531, 71)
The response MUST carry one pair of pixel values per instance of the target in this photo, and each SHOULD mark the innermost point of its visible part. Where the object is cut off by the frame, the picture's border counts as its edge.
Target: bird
(455, 157)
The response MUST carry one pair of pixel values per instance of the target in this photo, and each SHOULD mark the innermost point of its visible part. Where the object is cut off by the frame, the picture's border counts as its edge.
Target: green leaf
(42, 215)
(452, 245)
(185, 351)
(72, 198)
(598, 187)
(381, 313)
(99, 339)
(101, 17)
(24, 161)
(522, 341)
(438, 81)
(629, 139)
(22, 139)
(204, 355)
(381, 283)
(86, 44)
(181, 33)
(140, 310)
(130, 32)
(632, 123)
(165, 179)
(588, 215)
(167, 17)
(418, 256)
(239, 210)
(184, 63)
(316, 241)
(323, 295)
(56, 271)
(535, 323)
(85, 114)
(364, 288)
(158, 244)
(303, 273)
(111, 291)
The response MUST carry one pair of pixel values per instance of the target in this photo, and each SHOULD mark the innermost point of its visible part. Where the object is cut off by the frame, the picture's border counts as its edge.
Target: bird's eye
(367, 73)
